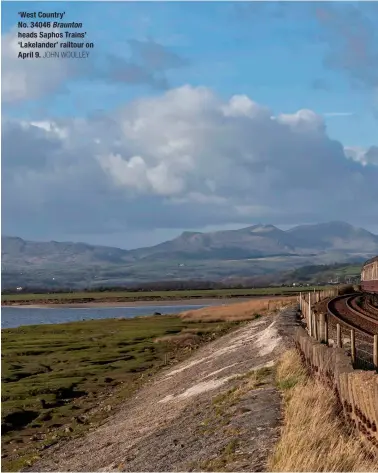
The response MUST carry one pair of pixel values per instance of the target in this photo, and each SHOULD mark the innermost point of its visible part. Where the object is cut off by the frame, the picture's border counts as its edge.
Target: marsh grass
(116, 296)
(59, 379)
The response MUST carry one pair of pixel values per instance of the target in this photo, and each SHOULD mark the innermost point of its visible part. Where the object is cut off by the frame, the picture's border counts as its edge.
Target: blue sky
(229, 48)
(188, 60)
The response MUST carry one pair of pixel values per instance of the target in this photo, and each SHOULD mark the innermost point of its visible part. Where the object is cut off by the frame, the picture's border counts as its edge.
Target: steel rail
(334, 312)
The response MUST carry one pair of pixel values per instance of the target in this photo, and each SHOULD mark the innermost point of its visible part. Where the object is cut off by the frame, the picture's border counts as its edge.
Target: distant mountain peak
(263, 228)
(187, 234)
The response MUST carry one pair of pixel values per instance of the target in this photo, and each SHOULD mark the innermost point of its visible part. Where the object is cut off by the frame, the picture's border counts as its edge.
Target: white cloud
(183, 159)
(24, 79)
(338, 114)
(361, 155)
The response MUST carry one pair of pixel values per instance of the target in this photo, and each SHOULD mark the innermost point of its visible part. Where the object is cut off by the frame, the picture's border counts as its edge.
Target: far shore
(125, 304)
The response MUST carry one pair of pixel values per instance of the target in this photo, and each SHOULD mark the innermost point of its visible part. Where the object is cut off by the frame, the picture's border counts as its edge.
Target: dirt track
(196, 416)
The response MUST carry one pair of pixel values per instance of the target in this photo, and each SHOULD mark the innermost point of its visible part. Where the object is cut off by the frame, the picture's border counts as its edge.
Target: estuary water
(17, 316)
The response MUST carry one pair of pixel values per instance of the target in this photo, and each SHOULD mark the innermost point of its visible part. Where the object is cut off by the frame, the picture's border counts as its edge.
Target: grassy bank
(82, 297)
(58, 380)
(313, 437)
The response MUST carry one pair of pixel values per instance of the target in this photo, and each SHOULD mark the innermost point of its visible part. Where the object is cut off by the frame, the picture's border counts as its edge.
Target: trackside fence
(362, 349)
(331, 360)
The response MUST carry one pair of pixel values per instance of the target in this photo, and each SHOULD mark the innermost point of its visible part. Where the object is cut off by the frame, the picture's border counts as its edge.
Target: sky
(191, 116)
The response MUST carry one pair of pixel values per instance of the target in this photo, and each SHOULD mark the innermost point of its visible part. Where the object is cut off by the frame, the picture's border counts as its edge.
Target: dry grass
(313, 437)
(237, 312)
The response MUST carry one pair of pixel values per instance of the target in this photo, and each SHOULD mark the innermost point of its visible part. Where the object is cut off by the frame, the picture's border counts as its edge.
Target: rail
(338, 324)
(345, 357)
(333, 311)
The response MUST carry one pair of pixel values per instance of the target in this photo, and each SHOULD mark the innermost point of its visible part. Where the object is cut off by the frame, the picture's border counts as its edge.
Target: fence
(362, 349)
(356, 390)
(338, 356)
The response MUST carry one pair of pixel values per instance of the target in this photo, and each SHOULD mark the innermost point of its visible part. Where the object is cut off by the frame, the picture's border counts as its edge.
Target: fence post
(353, 345)
(322, 328)
(375, 352)
(309, 313)
(326, 327)
(338, 336)
(300, 301)
(315, 325)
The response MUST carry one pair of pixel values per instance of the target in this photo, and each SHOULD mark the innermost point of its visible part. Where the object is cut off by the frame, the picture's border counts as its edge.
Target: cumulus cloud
(364, 156)
(183, 159)
(30, 79)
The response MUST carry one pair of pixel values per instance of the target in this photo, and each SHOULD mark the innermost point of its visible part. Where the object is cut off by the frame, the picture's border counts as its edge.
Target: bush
(347, 289)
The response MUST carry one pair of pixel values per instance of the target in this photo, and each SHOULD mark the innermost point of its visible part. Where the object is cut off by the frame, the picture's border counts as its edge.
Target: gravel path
(219, 410)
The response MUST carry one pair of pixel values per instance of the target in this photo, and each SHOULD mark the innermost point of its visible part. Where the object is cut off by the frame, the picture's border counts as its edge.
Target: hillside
(252, 251)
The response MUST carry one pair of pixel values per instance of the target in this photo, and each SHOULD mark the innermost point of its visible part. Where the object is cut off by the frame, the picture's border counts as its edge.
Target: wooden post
(300, 301)
(326, 328)
(338, 336)
(353, 345)
(315, 328)
(375, 352)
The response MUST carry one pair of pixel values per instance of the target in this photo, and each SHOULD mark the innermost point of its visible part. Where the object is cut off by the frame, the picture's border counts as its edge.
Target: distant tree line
(314, 274)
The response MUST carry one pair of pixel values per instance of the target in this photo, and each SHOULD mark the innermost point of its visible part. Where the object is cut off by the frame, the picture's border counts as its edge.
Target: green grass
(56, 379)
(152, 295)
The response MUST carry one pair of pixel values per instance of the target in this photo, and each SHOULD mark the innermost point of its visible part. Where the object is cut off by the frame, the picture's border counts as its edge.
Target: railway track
(345, 310)
(371, 309)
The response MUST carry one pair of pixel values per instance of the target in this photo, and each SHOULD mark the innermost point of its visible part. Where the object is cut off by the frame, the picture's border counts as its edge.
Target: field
(58, 380)
(78, 297)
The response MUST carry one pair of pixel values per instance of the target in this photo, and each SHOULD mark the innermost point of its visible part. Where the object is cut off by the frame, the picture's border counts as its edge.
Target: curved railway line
(347, 311)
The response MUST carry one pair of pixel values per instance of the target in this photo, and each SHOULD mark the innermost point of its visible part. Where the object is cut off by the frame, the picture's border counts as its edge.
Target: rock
(79, 420)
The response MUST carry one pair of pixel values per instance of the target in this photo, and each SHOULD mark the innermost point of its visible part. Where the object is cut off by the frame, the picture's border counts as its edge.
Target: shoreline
(146, 303)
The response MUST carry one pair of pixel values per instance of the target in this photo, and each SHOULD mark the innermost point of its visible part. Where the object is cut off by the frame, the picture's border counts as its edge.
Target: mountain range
(250, 251)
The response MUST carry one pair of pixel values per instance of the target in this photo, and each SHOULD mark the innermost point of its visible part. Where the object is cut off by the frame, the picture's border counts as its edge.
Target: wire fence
(325, 328)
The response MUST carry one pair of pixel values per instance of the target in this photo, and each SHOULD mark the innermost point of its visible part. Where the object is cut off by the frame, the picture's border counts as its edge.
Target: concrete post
(326, 328)
(338, 336)
(353, 345)
(310, 314)
(322, 328)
